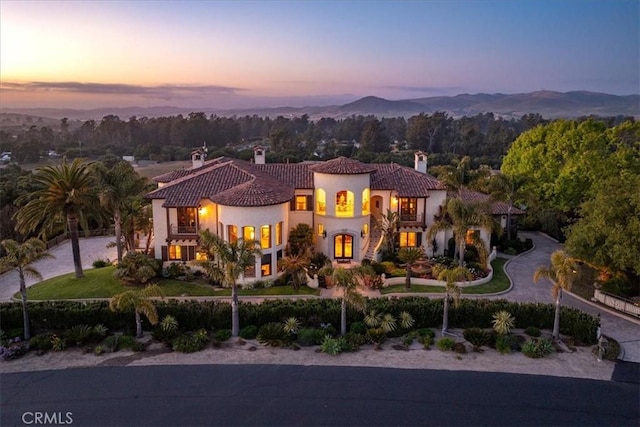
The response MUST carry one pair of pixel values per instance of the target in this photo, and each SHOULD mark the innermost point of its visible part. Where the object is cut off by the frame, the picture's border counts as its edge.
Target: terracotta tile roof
(406, 181)
(177, 174)
(296, 175)
(342, 166)
(497, 207)
(257, 192)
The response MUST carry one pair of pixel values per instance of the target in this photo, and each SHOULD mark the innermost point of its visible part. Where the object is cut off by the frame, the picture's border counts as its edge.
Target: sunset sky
(269, 53)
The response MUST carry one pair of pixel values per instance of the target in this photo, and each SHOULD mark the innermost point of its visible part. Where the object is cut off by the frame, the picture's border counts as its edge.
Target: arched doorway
(343, 246)
(377, 208)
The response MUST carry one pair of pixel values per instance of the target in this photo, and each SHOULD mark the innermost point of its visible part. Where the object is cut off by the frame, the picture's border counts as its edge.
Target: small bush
(126, 342)
(537, 348)
(98, 350)
(503, 322)
(58, 343)
(188, 344)
(41, 342)
(101, 263)
(138, 346)
(506, 344)
(477, 337)
(426, 341)
(532, 331)
(78, 334)
(446, 344)
(222, 335)
(100, 330)
(354, 340)
(249, 332)
(111, 343)
(13, 351)
(426, 332)
(459, 348)
(332, 346)
(358, 328)
(273, 335)
(310, 336)
(388, 266)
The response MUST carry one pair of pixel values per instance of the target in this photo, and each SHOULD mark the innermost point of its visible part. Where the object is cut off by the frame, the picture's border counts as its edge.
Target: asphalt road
(309, 395)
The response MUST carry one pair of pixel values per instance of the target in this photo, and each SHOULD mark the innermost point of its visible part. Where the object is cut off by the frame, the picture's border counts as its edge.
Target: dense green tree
(373, 137)
(20, 257)
(66, 192)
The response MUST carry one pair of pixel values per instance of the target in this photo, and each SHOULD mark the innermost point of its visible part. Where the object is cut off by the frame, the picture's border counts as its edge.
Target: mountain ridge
(549, 104)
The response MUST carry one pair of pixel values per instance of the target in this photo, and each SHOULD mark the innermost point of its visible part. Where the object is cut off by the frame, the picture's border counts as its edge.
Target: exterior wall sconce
(202, 210)
(362, 233)
(324, 234)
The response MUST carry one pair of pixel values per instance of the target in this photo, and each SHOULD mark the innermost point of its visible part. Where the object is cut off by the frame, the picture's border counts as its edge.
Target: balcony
(183, 232)
(412, 220)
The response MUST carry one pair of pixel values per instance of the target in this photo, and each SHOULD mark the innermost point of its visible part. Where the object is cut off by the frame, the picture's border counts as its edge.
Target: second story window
(232, 233)
(265, 236)
(301, 202)
(344, 203)
(408, 209)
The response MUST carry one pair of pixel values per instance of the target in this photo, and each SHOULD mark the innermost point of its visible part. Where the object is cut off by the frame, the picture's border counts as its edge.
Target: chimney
(420, 161)
(198, 157)
(259, 155)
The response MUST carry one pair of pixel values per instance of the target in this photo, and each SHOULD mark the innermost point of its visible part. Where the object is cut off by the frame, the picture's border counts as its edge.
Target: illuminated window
(232, 233)
(248, 233)
(344, 203)
(265, 236)
(365, 202)
(279, 233)
(365, 228)
(471, 236)
(265, 265)
(408, 239)
(175, 252)
(321, 202)
(408, 209)
(186, 220)
(201, 256)
(320, 230)
(301, 203)
(343, 246)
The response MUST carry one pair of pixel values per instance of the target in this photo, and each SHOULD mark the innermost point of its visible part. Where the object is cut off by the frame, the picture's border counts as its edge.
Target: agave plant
(169, 323)
(291, 325)
(503, 322)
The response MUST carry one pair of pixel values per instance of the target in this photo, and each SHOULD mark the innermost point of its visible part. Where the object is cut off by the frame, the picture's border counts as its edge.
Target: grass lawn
(100, 283)
(499, 282)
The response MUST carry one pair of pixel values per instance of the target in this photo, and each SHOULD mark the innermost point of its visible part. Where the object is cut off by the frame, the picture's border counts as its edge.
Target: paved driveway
(91, 249)
(521, 269)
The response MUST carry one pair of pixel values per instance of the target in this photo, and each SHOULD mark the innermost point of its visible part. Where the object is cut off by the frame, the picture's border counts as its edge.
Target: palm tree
(345, 280)
(138, 300)
(388, 225)
(228, 260)
(119, 183)
(561, 273)
(461, 217)
(409, 256)
(508, 189)
(452, 290)
(296, 266)
(19, 257)
(65, 192)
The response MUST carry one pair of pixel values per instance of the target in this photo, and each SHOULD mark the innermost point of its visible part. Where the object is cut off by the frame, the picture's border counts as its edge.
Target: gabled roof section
(202, 184)
(297, 175)
(342, 166)
(406, 181)
(181, 173)
(255, 193)
(497, 207)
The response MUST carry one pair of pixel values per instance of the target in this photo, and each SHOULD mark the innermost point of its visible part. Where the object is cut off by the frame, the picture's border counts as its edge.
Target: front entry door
(343, 246)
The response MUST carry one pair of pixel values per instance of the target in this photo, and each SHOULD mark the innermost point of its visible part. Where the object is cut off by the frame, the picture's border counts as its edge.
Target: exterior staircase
(374, 239)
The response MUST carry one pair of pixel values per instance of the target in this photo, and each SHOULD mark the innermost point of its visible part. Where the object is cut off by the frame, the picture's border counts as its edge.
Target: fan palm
(296, 266)
(140, 301)
(452, 290)
(461, 217)
(409, 256)
(19, 257)
(118, 184)
(345, 280)
(228, 260)
(65, 192)
(561, 273)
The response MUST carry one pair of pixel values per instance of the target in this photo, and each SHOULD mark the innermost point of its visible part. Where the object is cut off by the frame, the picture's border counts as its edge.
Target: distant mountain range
(549, 104)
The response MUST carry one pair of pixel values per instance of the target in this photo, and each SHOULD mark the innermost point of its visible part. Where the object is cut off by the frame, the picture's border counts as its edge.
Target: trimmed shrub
(354, 340)
(459, 348)
(101, 263)
(188, 344)
(127, 342)
(332, 346)
(249, 332)
(41, 342)
(358, 328)
(310, 336)
(78, 334)
(506, 344)
(222, 335)
(446, 344)
(111, 343)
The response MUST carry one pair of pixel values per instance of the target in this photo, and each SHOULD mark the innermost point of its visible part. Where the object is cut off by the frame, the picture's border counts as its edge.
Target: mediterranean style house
(341, 199)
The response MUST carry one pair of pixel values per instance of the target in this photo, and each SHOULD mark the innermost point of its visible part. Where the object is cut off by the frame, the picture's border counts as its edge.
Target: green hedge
(215, 315)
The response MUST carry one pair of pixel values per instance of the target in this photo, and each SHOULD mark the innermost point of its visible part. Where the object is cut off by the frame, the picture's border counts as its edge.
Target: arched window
(344, 203)
(321, 202)
(366, 209)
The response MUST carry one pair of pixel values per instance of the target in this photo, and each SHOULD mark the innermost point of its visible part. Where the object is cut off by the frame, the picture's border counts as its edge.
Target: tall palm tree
(20, 257)
(345, 280)
(452, 290)
(228, 260)
(561, 273)
(461, 217)
(140, 301)
(508, 189)
(409, 256)
(118, 185)
(388, 224)
(65, 192)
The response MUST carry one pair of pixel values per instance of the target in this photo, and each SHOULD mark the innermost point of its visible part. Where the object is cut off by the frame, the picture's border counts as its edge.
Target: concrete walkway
(520, 269)
(91, 249)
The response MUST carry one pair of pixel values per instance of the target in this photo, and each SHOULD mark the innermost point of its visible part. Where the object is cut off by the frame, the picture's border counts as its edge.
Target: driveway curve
(520, 269)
